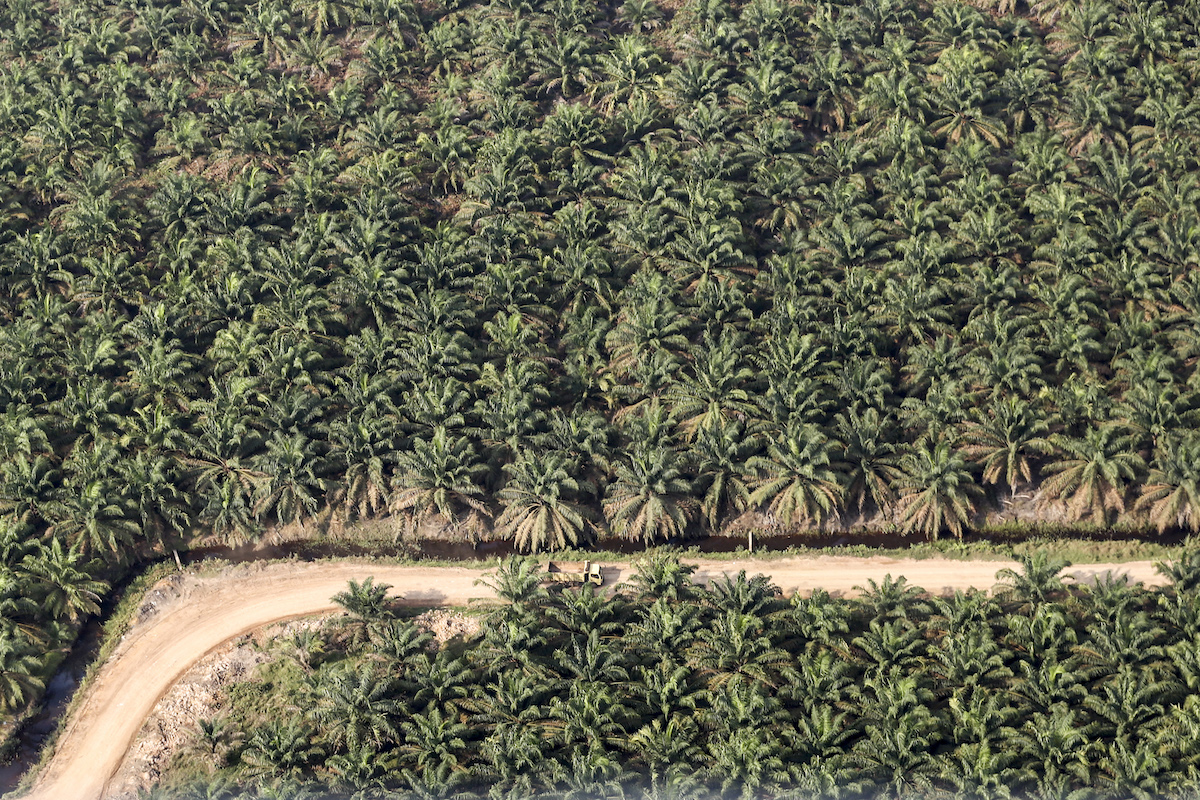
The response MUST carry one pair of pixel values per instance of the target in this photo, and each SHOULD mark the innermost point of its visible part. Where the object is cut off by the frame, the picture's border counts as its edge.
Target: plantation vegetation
(549, 272)
(562, 271)
(668, 690)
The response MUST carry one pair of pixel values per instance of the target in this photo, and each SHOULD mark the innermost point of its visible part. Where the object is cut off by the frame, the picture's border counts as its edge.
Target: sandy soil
(198, 694)
(190, 617)
(202, 693)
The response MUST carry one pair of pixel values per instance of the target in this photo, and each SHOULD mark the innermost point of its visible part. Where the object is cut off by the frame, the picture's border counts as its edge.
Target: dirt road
(201, 613)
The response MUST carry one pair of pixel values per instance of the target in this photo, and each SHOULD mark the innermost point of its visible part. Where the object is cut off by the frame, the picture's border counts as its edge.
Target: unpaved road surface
(206, 612)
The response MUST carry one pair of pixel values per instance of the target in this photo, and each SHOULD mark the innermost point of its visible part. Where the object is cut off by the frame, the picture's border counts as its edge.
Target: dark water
(441, 550)
(59, 691)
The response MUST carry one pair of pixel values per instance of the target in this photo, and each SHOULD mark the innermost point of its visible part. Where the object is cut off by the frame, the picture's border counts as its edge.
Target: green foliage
(735, 690)
(328, 261)
(551, 272)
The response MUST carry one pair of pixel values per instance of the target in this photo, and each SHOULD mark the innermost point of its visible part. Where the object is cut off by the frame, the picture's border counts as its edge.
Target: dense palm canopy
(266, 266)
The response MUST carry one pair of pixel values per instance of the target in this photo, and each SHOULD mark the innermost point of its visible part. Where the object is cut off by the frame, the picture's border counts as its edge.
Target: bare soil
(190, 617)
(201, 694)
(197, 695)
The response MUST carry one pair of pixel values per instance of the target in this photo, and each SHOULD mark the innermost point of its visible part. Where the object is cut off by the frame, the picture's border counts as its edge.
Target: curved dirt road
(210, 611)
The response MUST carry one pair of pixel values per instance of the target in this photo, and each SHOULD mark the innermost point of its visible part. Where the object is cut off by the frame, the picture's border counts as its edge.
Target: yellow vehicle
(574, 572)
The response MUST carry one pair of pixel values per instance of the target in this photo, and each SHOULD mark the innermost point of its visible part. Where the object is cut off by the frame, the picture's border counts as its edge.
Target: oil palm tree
(936, 492)
(899, 734)
(93, 518)
(219, 461)
(1171, 492)
(366, 601)
(649, 498)
(714, 388)
(280, 750)
(432, 753)
(361, 451)
(1038, 581)
(795, 480)
(871, 462)
(959, 98)
(362, 769)
(29, 486)
(720, 457)
(20, 678)
(667, 746)
(293, 487)
(438, 476)
(517, 580)
(661, 574)
(1094, 472)
(1059, 746)
(152, 484)
(626, 70)
(62, 580)
(744, 747)
(542, 508)
(737, 647)
(356, 706)
(1004, 442)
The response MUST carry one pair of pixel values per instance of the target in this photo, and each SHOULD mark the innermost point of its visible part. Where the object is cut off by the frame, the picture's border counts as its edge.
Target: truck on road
(574, 573)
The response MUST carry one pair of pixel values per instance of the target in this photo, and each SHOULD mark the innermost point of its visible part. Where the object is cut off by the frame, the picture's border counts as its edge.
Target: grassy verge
(1079, 544)
(1077, 551)
(384, 538)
